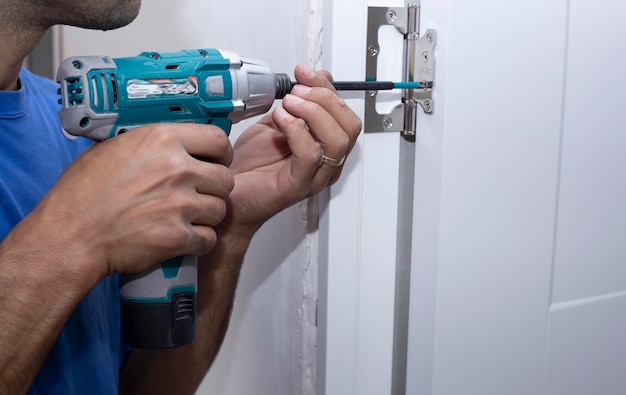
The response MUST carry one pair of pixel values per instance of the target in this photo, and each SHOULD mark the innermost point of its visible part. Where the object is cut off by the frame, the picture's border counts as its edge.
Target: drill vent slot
(74, 88)
(172, 67)
(114, 90)
(104, 91)
(177, 109)
(184, 306)
(94, 89)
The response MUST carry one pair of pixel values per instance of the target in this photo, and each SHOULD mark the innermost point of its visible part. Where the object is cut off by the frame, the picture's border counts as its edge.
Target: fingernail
(285, 115)
(293, 99)
(307, 71)
(301, 89)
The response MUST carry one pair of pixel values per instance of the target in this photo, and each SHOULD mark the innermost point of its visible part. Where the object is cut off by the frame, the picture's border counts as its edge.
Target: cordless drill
(102, 97)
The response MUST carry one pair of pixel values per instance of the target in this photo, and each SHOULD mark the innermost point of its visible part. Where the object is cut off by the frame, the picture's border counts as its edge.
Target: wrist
(226, 258)
(49, 260)
(233, 231)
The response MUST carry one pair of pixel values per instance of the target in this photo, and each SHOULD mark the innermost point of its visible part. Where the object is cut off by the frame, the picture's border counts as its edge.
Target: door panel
(498, 194)
(591, 238)
(586, 351)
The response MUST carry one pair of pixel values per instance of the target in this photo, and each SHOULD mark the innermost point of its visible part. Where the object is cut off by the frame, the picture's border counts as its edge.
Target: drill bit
(374, 85)
(284, 85)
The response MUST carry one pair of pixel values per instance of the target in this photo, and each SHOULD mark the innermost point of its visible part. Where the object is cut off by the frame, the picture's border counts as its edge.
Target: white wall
(270, 347)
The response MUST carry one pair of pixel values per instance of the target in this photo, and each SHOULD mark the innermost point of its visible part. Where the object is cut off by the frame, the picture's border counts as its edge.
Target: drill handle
(158, 306)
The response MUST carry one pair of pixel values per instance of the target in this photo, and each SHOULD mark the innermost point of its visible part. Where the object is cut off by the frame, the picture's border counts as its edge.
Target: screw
(428, 105)
(154, 56)
(387, 123)
(391, 16)
(372, 50)
(76, 64)
(430, 37)
(371, 93)
(425, 56)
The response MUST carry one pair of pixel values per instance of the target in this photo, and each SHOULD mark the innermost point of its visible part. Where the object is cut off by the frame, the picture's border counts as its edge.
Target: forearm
(39, 289)
(182, 369)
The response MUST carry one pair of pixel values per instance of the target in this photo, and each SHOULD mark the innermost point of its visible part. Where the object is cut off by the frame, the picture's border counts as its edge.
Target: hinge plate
(419, 66)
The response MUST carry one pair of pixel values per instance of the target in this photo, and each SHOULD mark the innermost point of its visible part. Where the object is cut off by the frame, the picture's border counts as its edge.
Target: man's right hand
(147, 195)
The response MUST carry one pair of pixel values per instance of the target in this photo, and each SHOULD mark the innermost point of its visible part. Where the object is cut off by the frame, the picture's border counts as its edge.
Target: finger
(207, 210)
(306, 153)
(213, 179)
(335, 142)
(202, 213)
(202, 141)
(203, 240)
(309, 175)
(307, 76)
(335, 106)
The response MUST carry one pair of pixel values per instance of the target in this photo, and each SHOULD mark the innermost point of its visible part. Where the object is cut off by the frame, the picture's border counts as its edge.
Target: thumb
(309, 77)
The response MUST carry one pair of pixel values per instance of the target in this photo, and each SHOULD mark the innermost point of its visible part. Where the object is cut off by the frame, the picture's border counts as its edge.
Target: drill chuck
(283, 84)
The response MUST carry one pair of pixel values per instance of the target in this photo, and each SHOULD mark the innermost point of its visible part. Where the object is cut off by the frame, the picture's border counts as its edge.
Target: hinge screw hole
(428, 105)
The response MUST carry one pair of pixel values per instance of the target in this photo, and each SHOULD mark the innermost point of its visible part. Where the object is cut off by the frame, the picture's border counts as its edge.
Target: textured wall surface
(270, 347)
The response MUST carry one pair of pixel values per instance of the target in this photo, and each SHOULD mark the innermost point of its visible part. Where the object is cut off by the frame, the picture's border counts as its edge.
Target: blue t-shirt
(89, 352)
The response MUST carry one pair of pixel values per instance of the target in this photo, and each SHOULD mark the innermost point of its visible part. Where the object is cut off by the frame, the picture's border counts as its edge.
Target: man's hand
(139, 198)
(278, 161)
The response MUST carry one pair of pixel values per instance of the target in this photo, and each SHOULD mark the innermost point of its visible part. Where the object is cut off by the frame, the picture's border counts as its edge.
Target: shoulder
(32, 80)
(43, 97)
(39, 88)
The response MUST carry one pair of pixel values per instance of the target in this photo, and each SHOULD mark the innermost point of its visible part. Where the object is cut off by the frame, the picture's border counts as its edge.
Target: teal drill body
(102, 97)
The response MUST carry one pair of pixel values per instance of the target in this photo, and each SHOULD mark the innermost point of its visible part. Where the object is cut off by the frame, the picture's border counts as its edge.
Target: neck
(9, 70)
(17, 40)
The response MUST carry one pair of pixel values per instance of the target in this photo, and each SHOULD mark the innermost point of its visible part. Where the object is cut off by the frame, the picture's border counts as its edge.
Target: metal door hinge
(418, 66)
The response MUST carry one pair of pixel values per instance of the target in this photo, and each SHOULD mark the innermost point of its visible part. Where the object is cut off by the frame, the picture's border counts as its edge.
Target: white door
(519, 233)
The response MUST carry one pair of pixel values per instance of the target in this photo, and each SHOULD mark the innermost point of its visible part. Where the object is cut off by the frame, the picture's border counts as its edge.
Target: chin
(107, 15)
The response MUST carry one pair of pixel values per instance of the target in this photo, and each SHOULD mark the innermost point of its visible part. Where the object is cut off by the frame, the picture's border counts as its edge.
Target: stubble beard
(102, 17)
